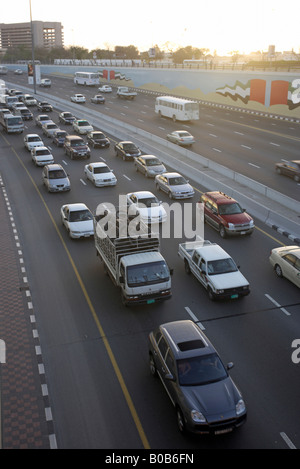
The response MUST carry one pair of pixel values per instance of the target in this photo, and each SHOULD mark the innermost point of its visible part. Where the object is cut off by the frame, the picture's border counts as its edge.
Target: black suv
(204, 396)
(76, 147)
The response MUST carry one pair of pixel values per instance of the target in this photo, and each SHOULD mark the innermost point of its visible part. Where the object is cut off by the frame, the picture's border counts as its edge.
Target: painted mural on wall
(280, 96)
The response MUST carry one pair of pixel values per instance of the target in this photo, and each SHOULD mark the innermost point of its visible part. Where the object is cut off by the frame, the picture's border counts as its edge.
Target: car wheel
(187, 267)
(278, 270)
(157, 187)
(170, 195)
(222, 231)
(296, 178)
(124, 158)
(152, 365)
(174, 118)
(180, 421)
(211, 295)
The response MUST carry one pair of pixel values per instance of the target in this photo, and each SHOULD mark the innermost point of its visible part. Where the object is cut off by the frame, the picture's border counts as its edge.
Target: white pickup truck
(125, 93)
(214, 268)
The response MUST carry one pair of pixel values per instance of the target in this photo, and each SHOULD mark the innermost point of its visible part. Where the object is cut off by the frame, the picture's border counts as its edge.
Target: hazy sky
(221, 25)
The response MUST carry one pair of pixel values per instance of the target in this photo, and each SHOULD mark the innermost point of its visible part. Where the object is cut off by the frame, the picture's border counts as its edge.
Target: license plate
(149, 302)
(234, 296)
(243, 232)
(220, 432)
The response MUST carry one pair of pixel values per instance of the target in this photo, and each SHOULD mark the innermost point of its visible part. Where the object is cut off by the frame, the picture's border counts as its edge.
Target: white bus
(86, 78)
(177, 108)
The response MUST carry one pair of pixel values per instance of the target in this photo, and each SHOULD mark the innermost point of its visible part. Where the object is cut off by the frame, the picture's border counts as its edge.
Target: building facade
(46, 34)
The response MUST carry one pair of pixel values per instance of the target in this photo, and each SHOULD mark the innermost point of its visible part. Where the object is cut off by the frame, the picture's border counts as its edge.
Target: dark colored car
(205, 398)
(127, 150)
(98, 99)
(44, 106)
(76, 147)
(289, 168)
(66, 118)
(226, 215)
(97, 139)
(59, 137)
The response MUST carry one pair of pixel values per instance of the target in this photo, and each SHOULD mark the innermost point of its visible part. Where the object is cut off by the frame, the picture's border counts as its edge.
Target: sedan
(18, 71)
(78, 98)
(100, 174)
(98, 99)
(97, 139)
(290, 169)
(49, 128)
(147, 206)
(175, 185)
(44, 106)
(82, 126)
(32, 140)
(149, 165)
(78, 220)
(105, 89)
(181, 137)
(127, 150)
(66, 117)
(42, 119)
(41, 156)
(59, 137)
(286, 263)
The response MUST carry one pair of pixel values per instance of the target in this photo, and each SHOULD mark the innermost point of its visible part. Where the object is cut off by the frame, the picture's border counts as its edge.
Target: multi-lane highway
(95, 350)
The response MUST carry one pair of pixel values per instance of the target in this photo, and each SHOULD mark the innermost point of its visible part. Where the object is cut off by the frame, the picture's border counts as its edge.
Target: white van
(45, 82)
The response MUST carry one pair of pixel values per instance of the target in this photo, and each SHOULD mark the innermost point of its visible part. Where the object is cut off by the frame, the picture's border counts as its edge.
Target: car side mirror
(229, 366)
(169, 377)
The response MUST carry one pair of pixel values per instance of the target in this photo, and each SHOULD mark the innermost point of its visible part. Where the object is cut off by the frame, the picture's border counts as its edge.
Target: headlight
(240, 407)
(197, 416)
(231, 226)
(251, 223)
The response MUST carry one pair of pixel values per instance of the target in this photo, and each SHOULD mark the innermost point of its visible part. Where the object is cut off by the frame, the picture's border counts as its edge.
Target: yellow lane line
(92, 309)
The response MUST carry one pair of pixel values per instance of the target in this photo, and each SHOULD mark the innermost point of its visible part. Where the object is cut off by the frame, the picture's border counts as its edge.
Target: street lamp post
(32, 50)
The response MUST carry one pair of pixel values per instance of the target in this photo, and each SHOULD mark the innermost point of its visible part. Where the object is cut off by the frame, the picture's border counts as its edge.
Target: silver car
(49, 128)
(149, 165)
(55, 178)
(175, 185)
(204, 396)
(181, 137)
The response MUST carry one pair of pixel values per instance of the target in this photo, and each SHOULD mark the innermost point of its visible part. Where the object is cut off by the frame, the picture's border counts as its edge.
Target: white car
(175, 185)
(32, 140)
(17, 105)
(82, 126)
(18, 71)
(29, 100)
(49, 128)
(42, 119)
(105, 89)
(45, 83)
(181, 137)
(286, 263)
(78, 98)
(100, 174)
(78, 220)
(41, 156)
(147, 206)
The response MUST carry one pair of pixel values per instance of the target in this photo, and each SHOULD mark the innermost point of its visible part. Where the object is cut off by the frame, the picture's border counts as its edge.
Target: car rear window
(190, 345)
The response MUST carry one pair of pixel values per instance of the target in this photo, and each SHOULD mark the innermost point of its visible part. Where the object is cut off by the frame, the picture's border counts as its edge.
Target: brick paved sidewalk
(24, 408)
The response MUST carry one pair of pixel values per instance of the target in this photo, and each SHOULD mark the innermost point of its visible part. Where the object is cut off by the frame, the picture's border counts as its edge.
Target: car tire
(152, 366)
(278, 270)
(170, 195)
(180, 421)
(157, 187)
(211, 295)
(222, 231)
(296, 178)
(187, 267)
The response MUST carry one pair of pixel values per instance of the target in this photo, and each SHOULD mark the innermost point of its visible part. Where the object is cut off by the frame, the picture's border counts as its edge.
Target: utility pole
(32, 51)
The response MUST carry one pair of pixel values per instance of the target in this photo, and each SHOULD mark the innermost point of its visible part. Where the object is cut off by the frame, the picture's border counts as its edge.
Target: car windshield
(77, 143)
(197, 371)
(230, 209)
(43, 152)
(80, 215)
(101, 169)
(177, 181)
(67, 114)
(184, 134)
(221, 266)
(60, 134)
(153, 162)
(129, 147)
(98, 135)
(57, 174)
(83, 123)
(146, 274)
(34, 139)
(148, 202)
(44, 118)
